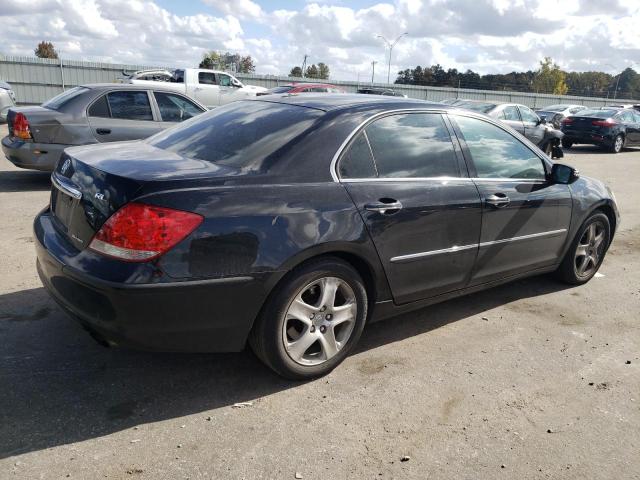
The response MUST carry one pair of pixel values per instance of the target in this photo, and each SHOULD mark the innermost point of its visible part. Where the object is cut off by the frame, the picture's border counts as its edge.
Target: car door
(533, 128)
(631, 119)
(524, 216)
(423, 213)
(207, 91)
(229, 92)
(510, 115)
(175, 108)
(122, 115)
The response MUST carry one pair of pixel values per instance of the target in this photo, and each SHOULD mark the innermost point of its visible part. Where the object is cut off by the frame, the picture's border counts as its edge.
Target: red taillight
(567, 121)
(609, 122)
(139, 232)
(21, 127)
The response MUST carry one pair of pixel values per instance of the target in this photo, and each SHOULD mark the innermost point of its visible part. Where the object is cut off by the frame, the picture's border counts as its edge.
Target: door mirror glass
(563, 174)
(236, 83)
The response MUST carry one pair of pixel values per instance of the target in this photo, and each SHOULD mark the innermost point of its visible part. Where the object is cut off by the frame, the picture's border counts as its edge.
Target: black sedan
(292, 222)
(94, 113)
(609, 128)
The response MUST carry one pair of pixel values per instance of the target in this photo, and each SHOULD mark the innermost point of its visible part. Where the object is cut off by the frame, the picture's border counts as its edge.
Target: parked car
(389, 92)
(7, 100)
(211, 88)
(554, 114)
(624, 105)
(302, 88)
(292, 222)
(523, 120)
(609, 128)
(91, 114)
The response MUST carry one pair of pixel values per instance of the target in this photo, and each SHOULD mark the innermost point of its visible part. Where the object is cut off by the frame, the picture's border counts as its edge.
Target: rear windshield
(284, 89)
(240, 134)
(477, 106)
(60, 100)
(597, 113)
(556, 108)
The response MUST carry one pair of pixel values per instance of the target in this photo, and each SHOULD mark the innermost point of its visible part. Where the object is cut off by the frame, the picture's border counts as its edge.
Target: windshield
(597, 113)
(477, 106)
(60, 100)
(241, 134)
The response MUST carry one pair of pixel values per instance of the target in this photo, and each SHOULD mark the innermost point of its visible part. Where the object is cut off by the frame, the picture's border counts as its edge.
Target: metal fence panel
(35, 80)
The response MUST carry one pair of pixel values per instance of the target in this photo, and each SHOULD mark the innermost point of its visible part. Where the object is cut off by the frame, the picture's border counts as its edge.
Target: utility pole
(373, 70)
(304, 65)
(391, 45)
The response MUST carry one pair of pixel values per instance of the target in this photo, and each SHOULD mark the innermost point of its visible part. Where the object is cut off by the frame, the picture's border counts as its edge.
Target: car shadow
(60, 387)
(591, 149)
(24, 181)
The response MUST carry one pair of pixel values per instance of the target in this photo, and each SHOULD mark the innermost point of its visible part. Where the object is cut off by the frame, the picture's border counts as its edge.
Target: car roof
(328, 101)
(126, 86)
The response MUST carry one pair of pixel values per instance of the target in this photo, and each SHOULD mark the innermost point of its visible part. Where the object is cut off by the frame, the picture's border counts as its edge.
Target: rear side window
(60, 100)
(207, 78)
(357, 162)
(498, 154)
(100, 108)
(511, 113)
(626, 117)
(130, 105)
(242, 134)
(412, 145)
(176, 108)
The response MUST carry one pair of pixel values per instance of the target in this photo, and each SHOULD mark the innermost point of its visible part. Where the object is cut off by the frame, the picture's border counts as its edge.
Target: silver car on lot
(89, 114)
(7, 100)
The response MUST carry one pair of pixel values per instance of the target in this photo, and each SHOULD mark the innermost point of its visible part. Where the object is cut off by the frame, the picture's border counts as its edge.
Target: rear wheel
(312, 321)
(617, 144)
(584, 257)
(567, 143)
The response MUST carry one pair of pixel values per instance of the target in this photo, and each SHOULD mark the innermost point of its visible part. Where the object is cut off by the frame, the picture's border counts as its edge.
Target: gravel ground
(527, 380)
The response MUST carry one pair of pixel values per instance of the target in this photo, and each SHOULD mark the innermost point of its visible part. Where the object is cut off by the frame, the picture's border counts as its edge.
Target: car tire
(295, 345)
(567, 143)
(618, 144)
(548, 148)
(587, 250)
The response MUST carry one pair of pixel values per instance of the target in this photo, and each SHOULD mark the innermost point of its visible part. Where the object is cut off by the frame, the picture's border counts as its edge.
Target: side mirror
(236, 83)
(542, 121)
(564, 174)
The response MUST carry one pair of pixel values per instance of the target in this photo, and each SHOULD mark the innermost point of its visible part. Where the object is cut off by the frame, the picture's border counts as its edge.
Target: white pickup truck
(210, 87)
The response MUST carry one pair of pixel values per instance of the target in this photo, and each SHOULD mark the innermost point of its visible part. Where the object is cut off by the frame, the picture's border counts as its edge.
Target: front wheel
(587, 251)
(312, 321)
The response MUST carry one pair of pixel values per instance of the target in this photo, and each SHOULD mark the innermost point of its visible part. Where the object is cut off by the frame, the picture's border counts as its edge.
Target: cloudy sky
(487, 36)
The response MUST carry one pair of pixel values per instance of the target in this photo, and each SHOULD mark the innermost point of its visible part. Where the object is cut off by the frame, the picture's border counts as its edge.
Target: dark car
(91, 114)
(387, 92)
(554, 114)
(609, 128)
(292, 222)
(523, 120)
(302, 88)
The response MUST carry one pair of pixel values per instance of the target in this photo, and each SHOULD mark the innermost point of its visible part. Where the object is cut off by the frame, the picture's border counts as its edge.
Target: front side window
(224, 80)
(412, 145)
(357, 161)
(130, 105)
(207, 78)
(528, 115)
(498, 154)
(176, 108)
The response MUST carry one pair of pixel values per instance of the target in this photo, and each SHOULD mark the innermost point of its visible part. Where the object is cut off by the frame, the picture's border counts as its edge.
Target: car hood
(141, 161)
(253, 88)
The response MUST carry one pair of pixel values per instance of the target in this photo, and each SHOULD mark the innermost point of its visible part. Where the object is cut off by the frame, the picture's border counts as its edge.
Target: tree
(214, 60)
(246, 65)
(550, 79)
(312, 71)
(296, 72)
(323, 71)
(211, 60)
(45, 50)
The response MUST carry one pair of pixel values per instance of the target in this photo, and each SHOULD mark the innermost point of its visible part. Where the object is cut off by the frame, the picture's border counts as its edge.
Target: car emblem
(99, 196)
(65, 166)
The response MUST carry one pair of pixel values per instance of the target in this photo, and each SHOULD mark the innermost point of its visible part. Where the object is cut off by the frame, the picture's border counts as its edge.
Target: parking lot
(527, 380)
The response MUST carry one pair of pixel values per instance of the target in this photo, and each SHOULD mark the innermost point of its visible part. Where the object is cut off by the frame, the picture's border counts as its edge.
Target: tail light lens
(609, 122)
(567, 121)
(139, 232)
(21, 127)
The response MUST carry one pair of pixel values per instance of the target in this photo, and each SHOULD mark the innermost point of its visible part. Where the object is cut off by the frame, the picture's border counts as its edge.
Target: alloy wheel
(319, 321)
(590, 249)
(618, 143)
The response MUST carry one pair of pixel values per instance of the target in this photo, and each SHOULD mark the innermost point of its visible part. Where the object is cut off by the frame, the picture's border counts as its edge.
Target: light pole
(391, 45)
(373, 70)
(615, 92)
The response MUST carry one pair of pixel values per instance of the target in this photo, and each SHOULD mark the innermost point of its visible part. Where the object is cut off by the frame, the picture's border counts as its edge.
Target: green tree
(212, 60)
(296, 72)
(312, 71)
(45, 50)
(323, 71)
(246, 65)
(550, 79)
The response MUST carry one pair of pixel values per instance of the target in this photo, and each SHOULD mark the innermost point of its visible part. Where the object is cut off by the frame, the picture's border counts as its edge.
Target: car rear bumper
(31, 155)
(589, 138)
(213, 315)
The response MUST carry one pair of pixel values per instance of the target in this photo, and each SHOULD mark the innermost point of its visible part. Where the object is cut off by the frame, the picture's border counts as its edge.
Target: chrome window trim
(64, 188)
(414, 256)
(443, 179)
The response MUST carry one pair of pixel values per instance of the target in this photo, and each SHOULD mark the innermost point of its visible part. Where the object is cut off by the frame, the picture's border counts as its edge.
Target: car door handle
(498, 200)
(384, 206)
(197, 89)
(103, 131)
